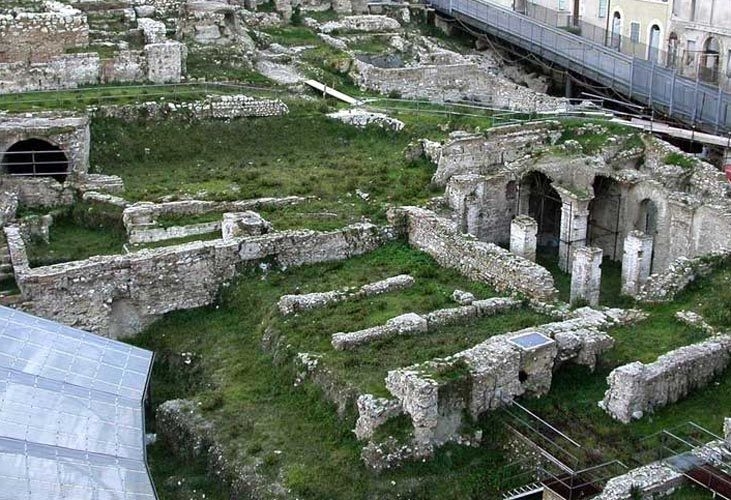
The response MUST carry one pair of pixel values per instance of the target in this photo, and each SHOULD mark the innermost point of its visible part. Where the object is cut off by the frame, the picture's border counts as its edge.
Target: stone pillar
(586, 275)
(523, 232)
(727, 429)
(574, 224)
(636, 262)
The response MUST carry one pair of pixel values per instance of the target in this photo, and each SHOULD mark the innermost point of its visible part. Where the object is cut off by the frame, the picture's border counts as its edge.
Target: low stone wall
(649, 481)
(360, 118)
(361, 24)
(118, 295)
(374, 412)
(637, 388)
(213, 107)
(291, 304)
(477, 260)
(412, 323)
(663, 287)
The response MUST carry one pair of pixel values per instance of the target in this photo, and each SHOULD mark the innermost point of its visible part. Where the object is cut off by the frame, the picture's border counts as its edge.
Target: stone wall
(118, 295)
(32, 37)
(453, 82)
(157, 63)
(637, 388)
(212, 107)
(477, 260)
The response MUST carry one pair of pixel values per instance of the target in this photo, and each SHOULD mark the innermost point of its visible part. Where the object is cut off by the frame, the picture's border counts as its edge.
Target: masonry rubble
(291, 304)
(361, 119)
(374, 412)
(636, 389)
(664, 286)
(463, 298)
(695, 320)
(118, 295)
(412, 323)
(361, 23)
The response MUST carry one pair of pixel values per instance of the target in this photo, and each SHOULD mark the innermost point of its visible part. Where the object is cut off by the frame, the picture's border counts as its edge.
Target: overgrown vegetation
(679, 159)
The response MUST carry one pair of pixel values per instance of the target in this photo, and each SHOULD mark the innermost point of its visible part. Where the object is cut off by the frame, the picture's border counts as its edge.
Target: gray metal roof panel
(41, 347)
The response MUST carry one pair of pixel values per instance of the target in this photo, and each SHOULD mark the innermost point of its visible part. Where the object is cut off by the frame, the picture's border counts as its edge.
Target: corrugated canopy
(71, 416)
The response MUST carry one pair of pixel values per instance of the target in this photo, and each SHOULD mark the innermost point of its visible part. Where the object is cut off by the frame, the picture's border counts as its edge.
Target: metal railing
(694, 102)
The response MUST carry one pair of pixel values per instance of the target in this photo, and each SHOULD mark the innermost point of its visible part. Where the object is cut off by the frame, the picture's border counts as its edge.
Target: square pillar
(636, 261)
(574, 225)
(523, 232)
(586, 275)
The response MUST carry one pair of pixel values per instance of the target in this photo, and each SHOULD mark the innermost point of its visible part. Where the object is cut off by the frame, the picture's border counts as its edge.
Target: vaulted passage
(544, 205)
(35, 158)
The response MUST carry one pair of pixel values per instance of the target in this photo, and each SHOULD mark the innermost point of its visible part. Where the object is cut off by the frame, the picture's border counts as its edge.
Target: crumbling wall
(212, 107)
(32, 37)
(165, 61)
(67, 71)
(460, 81)
(477, 260)
(637, 388)
(153, 282)
(664, 286)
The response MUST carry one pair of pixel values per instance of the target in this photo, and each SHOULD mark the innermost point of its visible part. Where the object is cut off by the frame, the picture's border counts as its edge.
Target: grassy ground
(258, 410)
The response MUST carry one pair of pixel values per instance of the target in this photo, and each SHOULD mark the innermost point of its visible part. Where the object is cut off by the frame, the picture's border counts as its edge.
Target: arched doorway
(604, 217)
(647, 218)
(616, 34)
(710, 61)
(673, 44)
(35, 158)
(653, 45)
(544, 205)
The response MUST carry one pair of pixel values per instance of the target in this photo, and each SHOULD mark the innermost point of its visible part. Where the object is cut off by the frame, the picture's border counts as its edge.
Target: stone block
(586, 275)
(636, 262)
(523, 234)
(239, 224)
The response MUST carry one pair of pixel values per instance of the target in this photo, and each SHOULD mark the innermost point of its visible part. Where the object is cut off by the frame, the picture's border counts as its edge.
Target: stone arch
(605, 210)
(35, 158)
(710, 62)
(541, 201)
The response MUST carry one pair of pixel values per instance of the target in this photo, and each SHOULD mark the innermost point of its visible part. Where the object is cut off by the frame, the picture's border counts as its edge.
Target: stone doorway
(542, 202)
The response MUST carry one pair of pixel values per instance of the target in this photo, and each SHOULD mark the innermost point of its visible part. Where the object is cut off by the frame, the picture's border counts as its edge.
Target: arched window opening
(653, 49)
(710, 61)
(616, 35)
(647, 220)
(673, 50)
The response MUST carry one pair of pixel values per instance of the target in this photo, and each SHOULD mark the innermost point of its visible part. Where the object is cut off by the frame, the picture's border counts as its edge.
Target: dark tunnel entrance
(35, 158)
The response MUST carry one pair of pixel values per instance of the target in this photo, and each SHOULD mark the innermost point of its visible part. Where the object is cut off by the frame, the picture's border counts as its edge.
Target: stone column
(727, 429)
(574, 224)
(523, 231)
(636, 262)
(586, 275)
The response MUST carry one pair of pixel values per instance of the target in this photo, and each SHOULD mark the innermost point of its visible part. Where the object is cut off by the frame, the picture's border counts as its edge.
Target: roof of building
(71, 412)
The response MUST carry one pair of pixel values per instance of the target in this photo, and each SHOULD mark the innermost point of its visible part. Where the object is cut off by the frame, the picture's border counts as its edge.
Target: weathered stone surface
(663, 287)
(636, 262)
(290, 304)
(463, 298)
(586, 275)
(523, 231)
(363, 24)
(637, 388)
(477, 260)
(154, 31)
(374, 412)
(361, 119)
(727, 429)
(695, 320)
(238, 224)
(165, 61)
(650, 481)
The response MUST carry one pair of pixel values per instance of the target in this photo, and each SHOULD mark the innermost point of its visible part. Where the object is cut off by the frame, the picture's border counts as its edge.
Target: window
(603, 7)
(561, 4)
(690, 52)
(634, 32)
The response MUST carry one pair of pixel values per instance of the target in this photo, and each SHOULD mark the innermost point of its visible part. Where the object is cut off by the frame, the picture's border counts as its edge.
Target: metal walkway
(692, 102)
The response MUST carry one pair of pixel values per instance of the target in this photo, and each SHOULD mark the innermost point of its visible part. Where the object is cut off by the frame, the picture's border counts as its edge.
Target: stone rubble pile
(360, 118)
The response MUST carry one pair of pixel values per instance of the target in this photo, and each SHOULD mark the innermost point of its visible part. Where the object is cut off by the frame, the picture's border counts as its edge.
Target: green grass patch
(679, 159)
